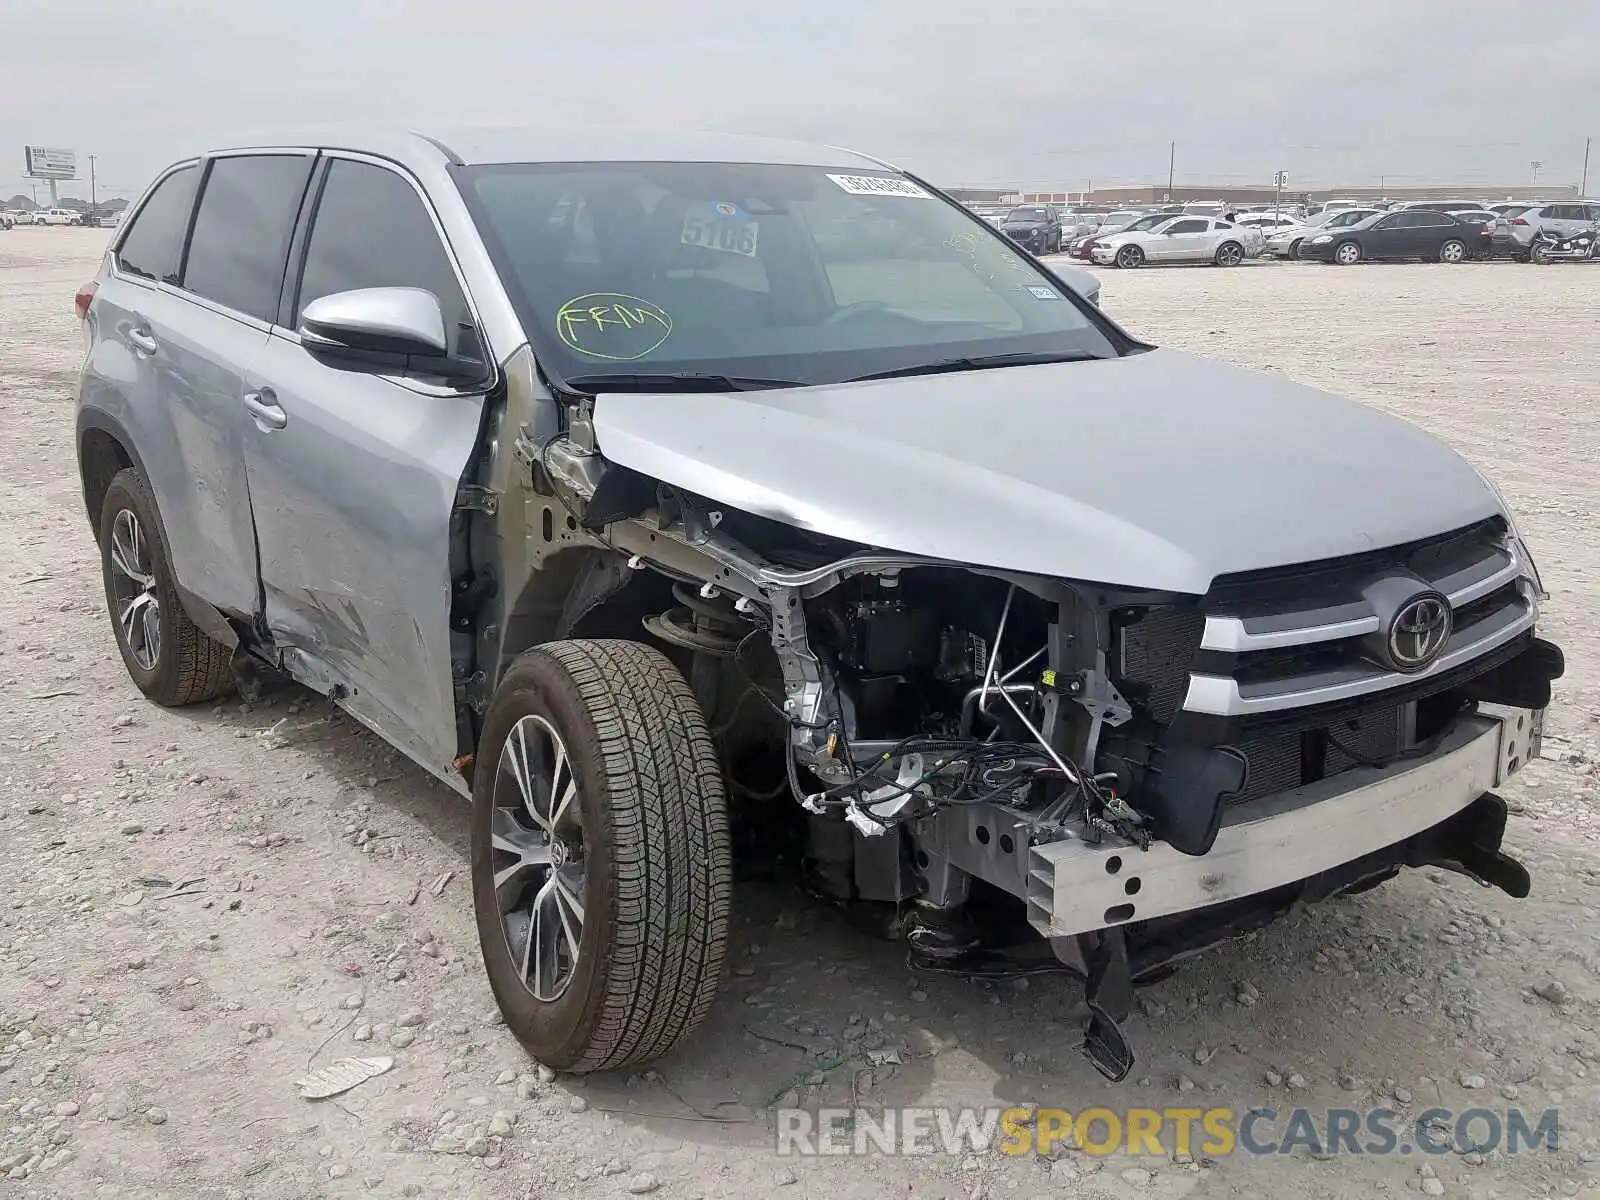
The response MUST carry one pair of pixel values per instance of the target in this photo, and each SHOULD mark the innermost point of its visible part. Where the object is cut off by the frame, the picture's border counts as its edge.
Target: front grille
(1276, 641)
(1280, 664)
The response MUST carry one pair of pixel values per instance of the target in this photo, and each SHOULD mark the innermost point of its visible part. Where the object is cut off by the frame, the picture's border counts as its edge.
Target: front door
(354, 477)
(1186, 240)
(1390, 237)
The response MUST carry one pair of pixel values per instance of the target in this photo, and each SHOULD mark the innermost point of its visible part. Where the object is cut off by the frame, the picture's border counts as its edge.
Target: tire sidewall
(558, 1030)
(128, 491)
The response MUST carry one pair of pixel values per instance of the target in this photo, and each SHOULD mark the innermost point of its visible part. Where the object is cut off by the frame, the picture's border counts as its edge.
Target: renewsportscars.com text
(1212, 1132)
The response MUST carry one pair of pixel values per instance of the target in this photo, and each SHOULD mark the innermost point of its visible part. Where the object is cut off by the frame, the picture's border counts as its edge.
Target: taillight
(84, 298)
(1520, 221)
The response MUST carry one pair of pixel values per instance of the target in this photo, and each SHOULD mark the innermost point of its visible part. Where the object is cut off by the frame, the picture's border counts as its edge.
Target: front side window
(153, 242)
(241, 232)
(779, 272)
(371, 230)
(1187, 227)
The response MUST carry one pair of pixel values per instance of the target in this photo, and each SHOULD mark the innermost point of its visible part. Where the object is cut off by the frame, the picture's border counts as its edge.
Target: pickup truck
(57, 216)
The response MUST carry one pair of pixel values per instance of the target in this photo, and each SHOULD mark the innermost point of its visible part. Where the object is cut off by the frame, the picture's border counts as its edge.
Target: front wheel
(601, 869)
(1294, 249)
(1130, 257)
(1348, 254)
(1453, 252)
(1229, 254)
(1539, 255)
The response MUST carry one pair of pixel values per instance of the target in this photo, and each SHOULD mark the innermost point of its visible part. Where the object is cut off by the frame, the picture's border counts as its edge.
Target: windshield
(788, 274)
(1028, 216)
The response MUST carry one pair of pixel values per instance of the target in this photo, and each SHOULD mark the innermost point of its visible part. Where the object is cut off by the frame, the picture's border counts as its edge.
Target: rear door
(232, 277)
(354, 474)
(194, 318)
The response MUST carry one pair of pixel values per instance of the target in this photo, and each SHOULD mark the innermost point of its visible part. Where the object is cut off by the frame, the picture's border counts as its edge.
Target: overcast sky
(1002, 91)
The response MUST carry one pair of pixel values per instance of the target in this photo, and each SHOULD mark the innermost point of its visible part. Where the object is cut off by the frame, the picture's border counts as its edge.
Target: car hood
(1157, 470)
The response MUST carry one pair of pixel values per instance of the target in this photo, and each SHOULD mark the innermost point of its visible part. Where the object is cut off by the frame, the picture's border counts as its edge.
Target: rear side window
(372, 230)
(241, 233)
(154, 241)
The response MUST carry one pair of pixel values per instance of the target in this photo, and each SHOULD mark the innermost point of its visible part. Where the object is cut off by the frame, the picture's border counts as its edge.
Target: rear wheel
(1347, 254)
(1537, 254)
(1453, 251)
(601, 868)
(1229, 254)
(1130, 257)
(168, 658)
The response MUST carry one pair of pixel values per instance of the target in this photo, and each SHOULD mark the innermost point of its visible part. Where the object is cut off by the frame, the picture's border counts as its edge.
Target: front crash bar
(1076, 887)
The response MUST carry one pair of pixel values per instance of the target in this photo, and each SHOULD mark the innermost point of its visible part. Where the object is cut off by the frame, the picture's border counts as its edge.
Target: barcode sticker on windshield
(879, 185)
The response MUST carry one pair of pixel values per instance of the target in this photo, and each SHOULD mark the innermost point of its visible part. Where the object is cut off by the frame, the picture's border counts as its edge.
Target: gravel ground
(150, 1034)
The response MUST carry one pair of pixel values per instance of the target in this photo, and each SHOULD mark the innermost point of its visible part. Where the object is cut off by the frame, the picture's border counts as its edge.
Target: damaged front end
(1019, 773)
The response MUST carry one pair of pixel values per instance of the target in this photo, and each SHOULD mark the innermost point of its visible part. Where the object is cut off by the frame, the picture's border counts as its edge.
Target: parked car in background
(1183, 239)
(1339, 205)
(1411, 233)
(1083, 247)
(1034, 227)
(1498, 229)
(1268, 222)
(21, 216)
(1566, 217)
(1285, 242)
(57, 216)
(111, 220)
(1509, 208)
(994, 214)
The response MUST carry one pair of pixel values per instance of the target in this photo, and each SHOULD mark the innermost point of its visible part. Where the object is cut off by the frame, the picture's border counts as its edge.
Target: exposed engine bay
(968, 746)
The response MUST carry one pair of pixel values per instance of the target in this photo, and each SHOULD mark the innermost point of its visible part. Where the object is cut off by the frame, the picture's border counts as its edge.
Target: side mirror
(384, 320)
(386, 328)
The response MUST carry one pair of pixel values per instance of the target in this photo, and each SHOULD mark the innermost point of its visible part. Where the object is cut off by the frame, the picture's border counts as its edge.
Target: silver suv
(638, 486)
(1565, 218)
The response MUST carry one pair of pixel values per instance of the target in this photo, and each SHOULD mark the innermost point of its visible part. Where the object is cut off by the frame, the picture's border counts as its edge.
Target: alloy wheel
(1230, 256)
(538, 862)
(133, 586)
(1453, 252)
(1348, 254)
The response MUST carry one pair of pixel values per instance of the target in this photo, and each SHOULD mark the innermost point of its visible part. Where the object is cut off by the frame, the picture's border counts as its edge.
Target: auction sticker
(612, 325)
(879, 185)
(1040, 292)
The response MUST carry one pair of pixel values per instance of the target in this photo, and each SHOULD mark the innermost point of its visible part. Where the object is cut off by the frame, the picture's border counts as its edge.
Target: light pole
(94, 205)
(1534, 178)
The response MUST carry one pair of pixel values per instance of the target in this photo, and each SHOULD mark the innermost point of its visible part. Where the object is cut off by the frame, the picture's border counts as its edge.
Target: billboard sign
(44, 163)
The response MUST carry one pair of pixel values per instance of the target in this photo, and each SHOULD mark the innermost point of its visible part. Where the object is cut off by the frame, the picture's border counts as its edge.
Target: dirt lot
(149, 1041)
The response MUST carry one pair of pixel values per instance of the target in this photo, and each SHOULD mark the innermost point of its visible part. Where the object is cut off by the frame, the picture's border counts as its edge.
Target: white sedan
(1182, 239)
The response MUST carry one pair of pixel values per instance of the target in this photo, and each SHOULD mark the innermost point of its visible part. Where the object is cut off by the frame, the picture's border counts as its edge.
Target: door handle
(141, 339)
(264, 407)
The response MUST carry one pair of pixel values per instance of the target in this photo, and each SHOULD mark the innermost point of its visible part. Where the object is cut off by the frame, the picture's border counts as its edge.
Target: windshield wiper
(978, 363)
(683, 381)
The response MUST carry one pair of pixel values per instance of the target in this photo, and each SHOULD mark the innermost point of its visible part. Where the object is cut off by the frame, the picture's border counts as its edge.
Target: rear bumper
(1075, 887)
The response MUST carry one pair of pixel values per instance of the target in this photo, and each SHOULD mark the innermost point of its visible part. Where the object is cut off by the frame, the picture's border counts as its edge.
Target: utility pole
(1172, 158)
(1534, 179)
(94, 205)
(1583, 186)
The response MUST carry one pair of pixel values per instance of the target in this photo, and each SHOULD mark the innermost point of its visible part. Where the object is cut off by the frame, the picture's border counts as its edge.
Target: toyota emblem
(1419, 631)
